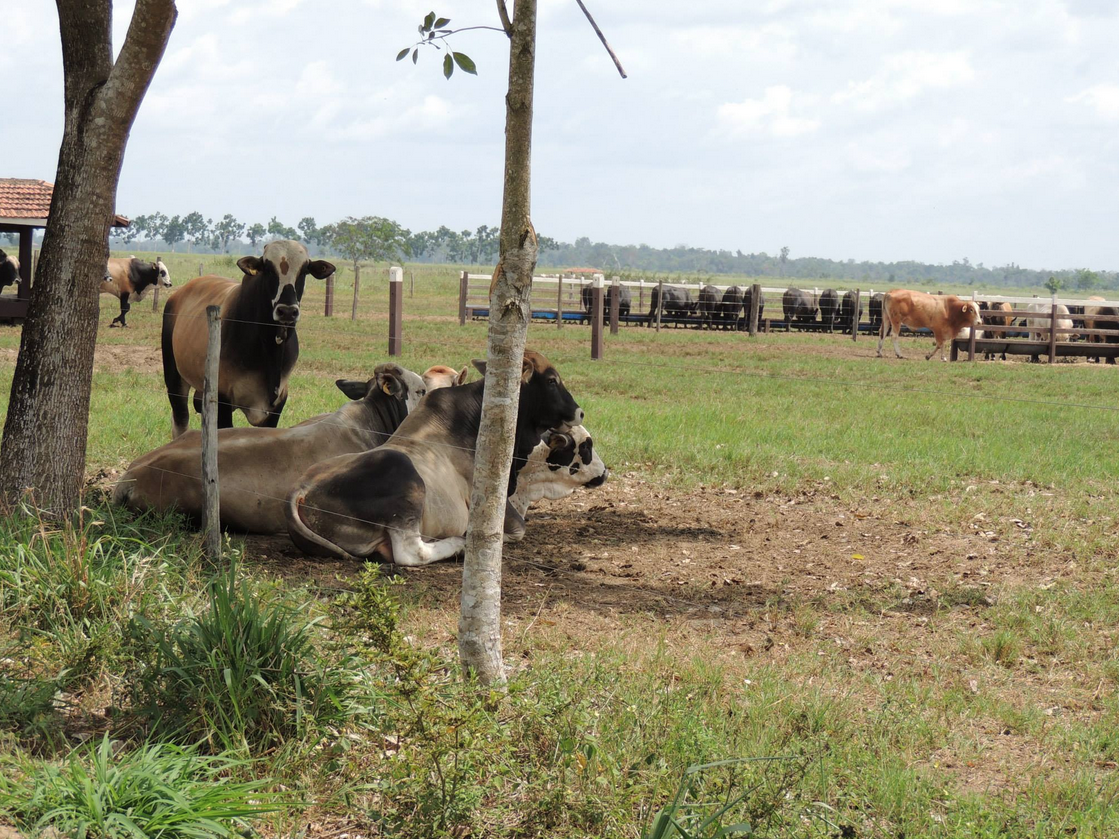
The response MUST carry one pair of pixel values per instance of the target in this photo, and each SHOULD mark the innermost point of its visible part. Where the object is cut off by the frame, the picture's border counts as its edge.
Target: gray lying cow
(408, 500)
(260, 466)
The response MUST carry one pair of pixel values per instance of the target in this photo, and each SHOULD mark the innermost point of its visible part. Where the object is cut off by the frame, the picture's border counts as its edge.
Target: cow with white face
(129, 279)
(259, 346)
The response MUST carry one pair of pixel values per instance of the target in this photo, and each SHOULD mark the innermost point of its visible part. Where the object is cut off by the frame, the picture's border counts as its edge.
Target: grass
(985, 709)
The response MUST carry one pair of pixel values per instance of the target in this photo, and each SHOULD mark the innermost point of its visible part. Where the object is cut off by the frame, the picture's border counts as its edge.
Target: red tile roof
(28, 198)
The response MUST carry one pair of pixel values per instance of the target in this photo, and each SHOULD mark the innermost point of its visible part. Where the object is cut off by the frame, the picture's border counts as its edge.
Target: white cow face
(164, 274)
(559, 465)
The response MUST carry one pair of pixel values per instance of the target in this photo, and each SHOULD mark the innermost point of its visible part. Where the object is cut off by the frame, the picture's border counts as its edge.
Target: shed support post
(396, 310)
(211, 509)
(26, 234)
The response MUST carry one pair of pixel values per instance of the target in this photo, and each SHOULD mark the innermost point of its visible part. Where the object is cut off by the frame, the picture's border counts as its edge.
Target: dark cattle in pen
(409, 500)
(747, 299)
(829, 307)
(260, 466)
(625, 302)
(259, 346)
(799, 306)
(129, 279)
(850, 311)
(874, 311)
(729, 311)
(708, 306)
(678, 304)
(9, 270)
(945, 316)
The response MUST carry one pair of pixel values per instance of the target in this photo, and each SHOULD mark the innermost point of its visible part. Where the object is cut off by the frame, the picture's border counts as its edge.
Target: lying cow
(258, 467)
(9, 270)
(129, 280)
(408, 500)
(945, 316)
(560, 464)
(443, 376)
(259, 346)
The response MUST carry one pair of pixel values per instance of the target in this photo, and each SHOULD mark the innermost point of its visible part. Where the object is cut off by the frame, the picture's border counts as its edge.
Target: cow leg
(411, 551)
(124, 307)
(514, 524)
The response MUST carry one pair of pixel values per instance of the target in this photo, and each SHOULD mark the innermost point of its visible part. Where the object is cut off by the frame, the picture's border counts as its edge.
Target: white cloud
(771, 114)
(770, 42)
(1102, 98)
(904, 76)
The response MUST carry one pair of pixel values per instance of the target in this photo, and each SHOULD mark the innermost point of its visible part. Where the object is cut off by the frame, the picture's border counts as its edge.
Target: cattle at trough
(799, 306)
(995, 314)
(829, 307)
(260, 466)
(707, 306)
(129, 279)
(561, 463)
(9, 270)
(1039, 326)
(850, 311)
(728, 313)
(625, 302)
(259, 345)
(747, 300)
(874, 311)
(944, 315)
(1091, 313)
(408, 501)
(443, 376)
(678, 303)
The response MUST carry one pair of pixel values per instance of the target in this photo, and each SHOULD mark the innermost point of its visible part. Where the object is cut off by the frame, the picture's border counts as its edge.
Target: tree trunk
(479, 635)
(357, 283)
(44, 443)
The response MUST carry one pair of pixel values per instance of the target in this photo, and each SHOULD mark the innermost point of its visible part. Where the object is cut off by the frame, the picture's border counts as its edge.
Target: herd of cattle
(388, 474)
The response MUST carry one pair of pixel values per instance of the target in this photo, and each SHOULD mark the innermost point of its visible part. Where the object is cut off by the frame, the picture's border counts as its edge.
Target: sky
(930, 130)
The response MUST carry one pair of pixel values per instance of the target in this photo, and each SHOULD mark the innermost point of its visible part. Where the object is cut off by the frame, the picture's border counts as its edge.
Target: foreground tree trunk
(44, 443)
(479, 629)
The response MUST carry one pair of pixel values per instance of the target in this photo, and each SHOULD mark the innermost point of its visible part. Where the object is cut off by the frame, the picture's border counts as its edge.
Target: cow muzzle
(285, 314)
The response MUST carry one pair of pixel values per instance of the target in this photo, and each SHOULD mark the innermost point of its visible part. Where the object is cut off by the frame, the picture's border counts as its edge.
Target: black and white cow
(129, 279)
(9, 270)
(561, 463)
(259, 346)
(408, 500)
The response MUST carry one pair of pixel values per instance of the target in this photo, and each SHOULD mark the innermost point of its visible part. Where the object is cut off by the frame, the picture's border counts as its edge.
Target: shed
(25, 204)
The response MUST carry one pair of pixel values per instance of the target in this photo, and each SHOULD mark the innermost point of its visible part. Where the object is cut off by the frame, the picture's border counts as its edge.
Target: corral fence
(571, 299)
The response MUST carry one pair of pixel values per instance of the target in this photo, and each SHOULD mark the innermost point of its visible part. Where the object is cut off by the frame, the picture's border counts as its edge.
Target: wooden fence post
(211, 511)
(463, 290)
(200, 269)
(559, 302)
(396, 310)
(411, 284)
(755, 306)
(596, 317)
(855, 315)
(357, 284)
(328, 308)
(660, 303)
(971, 334)
(615, 304)
(1053, 329)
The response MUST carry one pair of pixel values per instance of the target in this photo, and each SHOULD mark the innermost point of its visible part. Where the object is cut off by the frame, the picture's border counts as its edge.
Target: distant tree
(309, 231)
(279, 230)
(196, 229)
(157, 223)
(225, 231)
(1086, 279)
(1053, 285)
(255, 233)
(173, 231)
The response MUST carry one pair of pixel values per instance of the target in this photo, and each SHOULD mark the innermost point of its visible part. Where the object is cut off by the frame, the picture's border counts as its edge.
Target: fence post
(211, 511)
(615, 304)
(396, 309)
(641, 296)
(328, 308)
(755, 306)
(971, 335)
(660, 303)
(200, 269)
(1053, 329)
(411, 284)
(357, 283)
(463, 290)
(155, 299)
(559, 302)
(855, 315)
(597, 319)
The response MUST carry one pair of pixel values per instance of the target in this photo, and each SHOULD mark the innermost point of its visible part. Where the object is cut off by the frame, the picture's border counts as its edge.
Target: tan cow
(944, 315)
(258, 467)
(443, 376)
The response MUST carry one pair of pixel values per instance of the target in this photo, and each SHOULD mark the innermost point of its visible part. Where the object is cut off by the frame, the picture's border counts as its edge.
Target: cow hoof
(115, 324)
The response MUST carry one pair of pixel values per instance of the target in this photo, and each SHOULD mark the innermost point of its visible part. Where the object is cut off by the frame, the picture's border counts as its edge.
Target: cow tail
(303, 536)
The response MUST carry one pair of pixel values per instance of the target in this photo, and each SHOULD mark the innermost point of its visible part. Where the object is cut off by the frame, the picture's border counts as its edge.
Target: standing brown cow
(944, 315)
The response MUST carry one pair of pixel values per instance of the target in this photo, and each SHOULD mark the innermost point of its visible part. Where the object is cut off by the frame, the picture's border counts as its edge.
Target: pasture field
(897, 577)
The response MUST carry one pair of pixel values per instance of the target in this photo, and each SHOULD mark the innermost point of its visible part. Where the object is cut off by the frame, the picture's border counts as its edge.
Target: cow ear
(353, 388)
(390, 379)
(320, 269)
(479, 365)
(251, 265)
(556, 440)
(460, 379)
(526, 370)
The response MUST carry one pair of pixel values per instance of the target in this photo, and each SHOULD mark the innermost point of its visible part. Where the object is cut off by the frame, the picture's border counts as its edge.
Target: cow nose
(285, 313)
(578, 417)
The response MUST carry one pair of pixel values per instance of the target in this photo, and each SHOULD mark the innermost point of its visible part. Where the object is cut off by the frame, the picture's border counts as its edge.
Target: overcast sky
(868, 129)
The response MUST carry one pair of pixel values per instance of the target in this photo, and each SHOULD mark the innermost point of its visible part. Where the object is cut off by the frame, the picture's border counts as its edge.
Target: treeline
(378, 238)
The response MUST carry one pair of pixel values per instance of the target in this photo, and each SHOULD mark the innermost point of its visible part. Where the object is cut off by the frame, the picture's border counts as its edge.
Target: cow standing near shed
(259, 346)
(129, 279)
(945, 316)
(9, 270)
